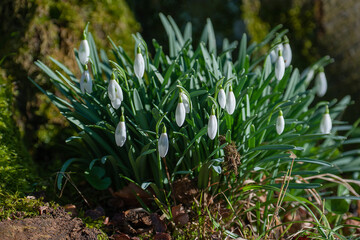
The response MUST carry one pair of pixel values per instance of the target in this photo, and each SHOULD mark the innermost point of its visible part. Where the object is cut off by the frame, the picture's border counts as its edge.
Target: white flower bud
(212, 125)
(279, 67)
(115, 93)
(222, 98)
(120, 133)
(287, 54)
(185, 100)
(86, 82)
(230, 102)
(84, 52)
(280, 123)
(139, 65)
(321, 84)
(163, 143)
(180, 114)
(326, 123)
(274, 54)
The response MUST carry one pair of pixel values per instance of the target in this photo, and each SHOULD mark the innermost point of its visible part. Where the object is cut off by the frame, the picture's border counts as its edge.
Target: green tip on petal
(327, 109)
(164, 129)
(280, 113)
(286, 40)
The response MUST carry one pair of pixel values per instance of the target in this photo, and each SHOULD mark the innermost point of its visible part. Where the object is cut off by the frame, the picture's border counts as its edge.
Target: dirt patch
(52, 224)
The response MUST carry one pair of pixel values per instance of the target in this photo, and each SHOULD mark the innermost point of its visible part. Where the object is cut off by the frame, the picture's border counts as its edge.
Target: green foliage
(198, 72)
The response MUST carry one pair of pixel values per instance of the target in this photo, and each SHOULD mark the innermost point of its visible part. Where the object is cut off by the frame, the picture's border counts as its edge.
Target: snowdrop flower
(279, 67)
(185, 101)
(287, 52)
(230, 102)
(326, 123)
(321, 83)
(280, 123)
(85, 81)
(222, 98)
(115, 92)
(84, 51)
(180, 113)
(139, 65)
(212, 125)
(120, 132)
(274, 53)
(163, 143)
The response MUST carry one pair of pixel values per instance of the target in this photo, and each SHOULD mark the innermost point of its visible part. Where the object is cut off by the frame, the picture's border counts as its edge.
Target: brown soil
(52, 224)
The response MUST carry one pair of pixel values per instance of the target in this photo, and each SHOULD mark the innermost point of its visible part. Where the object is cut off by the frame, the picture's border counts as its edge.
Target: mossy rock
(41, 28)
(16, 168)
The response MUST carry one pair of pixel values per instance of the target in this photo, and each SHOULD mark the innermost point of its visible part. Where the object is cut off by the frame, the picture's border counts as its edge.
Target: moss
(16, 168)
(53, 28)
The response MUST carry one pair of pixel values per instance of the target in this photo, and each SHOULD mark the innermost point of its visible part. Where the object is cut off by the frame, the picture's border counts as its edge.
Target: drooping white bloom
(280, 123)
(163, 143)
(84, 52)
(115, 93)
(287, 53)
(120, 132)
(139, 65)
(180, 113)
(274, 54)
(230, 101)
(321, 83)
(86, 82)
(279, 67)
(222, 98)
(326, 123)
(185, 100)
(212, 125)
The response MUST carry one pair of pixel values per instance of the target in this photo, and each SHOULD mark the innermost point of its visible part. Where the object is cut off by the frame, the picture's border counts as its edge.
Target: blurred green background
(35, 29)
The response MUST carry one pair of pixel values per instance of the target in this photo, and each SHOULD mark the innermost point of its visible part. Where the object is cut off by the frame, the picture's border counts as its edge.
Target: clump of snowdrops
(160, 116)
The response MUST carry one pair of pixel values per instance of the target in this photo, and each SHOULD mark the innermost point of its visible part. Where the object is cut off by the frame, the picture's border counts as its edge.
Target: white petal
(118, 92)
(185, 100)
(230, 102)
(88, 85)
(321, 84)
(279, 68)
(222, 98)
(116, 103)
(287, 54)
(273, 56)
(212, 127)
(180, 114)
(163, 145)
(280, 124)
(139, 65)
(120, 134)
(111, 90)
(326, 124)
(84, 52)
